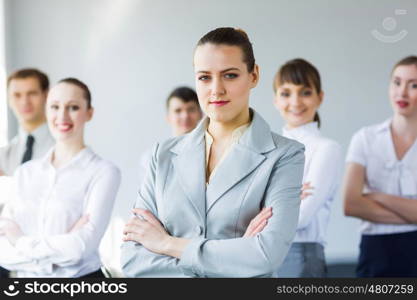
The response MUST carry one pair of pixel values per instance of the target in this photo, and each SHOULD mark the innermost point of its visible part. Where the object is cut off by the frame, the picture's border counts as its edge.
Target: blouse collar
(301, 132)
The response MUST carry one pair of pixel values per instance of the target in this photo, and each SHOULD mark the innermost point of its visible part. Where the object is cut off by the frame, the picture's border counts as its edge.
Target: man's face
(27, 100)
(183, 116)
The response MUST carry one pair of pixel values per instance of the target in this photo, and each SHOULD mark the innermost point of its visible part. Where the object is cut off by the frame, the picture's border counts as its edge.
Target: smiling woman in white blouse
(381, 183)
(62, 204)
(298, 95)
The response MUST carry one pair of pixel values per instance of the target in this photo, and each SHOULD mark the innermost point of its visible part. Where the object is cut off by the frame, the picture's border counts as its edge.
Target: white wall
(3, 102)
(132, 53)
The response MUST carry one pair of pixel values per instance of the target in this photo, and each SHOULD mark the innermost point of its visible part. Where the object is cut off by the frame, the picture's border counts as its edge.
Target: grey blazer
(263, 169)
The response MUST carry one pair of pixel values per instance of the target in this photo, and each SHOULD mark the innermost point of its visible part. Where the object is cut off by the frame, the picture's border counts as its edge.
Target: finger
(149, 217)
(130, 237)
(305, 195)
(132, 228)
(261, 217)
(259, 228)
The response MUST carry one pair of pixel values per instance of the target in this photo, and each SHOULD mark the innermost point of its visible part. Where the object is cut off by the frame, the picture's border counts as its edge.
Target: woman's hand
(258, 223)
(147, 231)
(11, 230)
(306, 190)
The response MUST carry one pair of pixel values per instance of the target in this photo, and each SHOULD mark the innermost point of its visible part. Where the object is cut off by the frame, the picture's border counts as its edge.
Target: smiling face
(27, 99)
(297, 103)
(67, 112)
(223, 82)
(403, 90)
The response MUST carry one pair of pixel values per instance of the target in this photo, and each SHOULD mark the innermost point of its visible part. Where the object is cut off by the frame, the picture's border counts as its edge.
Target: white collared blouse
(373, 148)
(322, 169)
(49, 202)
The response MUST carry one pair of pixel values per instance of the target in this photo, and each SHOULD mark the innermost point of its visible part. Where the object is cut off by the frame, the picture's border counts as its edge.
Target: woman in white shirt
(381, 182)
(63, 201)
(298, 95)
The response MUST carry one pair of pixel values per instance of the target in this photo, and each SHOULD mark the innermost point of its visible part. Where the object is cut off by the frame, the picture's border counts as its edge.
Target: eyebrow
(400, 78)
(223, 71)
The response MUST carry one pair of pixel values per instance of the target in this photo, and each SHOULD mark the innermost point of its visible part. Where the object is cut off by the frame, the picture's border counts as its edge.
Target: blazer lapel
(238, 164)
(190, 169)
(243, 159)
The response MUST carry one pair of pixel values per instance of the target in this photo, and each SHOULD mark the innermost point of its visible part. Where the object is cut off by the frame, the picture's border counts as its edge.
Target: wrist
(174, 246)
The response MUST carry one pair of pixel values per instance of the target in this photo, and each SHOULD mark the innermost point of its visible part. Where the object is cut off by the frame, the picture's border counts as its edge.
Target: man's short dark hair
(183, 93)
(30, 73)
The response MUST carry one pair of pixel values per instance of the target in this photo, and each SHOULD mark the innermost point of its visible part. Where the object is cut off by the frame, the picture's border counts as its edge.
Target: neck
(404, 126)
(223, 130)
(65, 151)
(289, 126)
(33, 125)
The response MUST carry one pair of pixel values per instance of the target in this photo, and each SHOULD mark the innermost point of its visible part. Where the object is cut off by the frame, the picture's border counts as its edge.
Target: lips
(64, 127)
(27, 110)
(298, 113)
(402, 104)
(219, 102)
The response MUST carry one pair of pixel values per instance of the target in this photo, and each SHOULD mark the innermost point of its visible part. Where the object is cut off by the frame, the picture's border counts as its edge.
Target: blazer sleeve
(136, 260)
(258, 256)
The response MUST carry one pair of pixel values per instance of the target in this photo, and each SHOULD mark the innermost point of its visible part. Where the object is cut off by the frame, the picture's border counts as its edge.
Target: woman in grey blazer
(193, 212)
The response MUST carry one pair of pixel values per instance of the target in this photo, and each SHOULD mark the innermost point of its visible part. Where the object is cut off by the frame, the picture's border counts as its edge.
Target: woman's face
(403, 91)
(67, 112)
(223, 82)
(297, 103)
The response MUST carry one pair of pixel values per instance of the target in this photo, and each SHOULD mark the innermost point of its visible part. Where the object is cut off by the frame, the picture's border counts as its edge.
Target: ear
(255, 76)
(90, 113)
(321, 96)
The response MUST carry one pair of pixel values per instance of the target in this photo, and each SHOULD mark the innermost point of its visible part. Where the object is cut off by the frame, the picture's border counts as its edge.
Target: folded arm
(363, 206)
(68, 248)
(323, 176)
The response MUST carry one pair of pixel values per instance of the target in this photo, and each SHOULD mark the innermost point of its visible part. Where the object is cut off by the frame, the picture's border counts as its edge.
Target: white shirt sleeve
(69, 248)
(324, 175)
(356, 152)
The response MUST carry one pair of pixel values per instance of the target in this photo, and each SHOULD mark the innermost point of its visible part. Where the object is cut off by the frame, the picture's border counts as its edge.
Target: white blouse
(372, 147)
(323, 169)
(47, 203)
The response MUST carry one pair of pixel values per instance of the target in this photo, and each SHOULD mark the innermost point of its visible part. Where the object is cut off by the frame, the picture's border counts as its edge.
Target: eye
(231, 75)
(54, 107)
(74, 107)
(285, 94)
(203, 77)
(414, 86)
(306, 93)
(396, 82)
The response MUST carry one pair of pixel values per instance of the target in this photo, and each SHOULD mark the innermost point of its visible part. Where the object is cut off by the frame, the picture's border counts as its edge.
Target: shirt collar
(81, 159)
(384, 126)
(39, 133)
(300, 132)
(236, 134)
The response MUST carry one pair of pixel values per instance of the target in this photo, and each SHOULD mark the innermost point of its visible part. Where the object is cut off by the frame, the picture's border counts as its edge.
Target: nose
(295, 100)
(218, 88)
(62, 114)
(402, 89)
